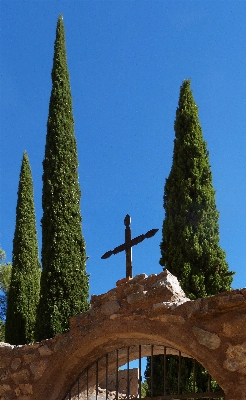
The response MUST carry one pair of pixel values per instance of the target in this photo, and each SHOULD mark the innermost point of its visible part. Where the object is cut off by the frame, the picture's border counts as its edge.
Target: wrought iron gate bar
(194, 375)
(106, 376)
(117, 374)
(151, 370)
(87, 384)
(128, 372)
(139, 373)
(209, 383)
(93, 374)
(179, 373)
(97, 379)
(165, 371)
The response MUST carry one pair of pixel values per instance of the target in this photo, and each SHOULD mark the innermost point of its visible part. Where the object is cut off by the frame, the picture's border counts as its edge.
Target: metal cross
(129, 243)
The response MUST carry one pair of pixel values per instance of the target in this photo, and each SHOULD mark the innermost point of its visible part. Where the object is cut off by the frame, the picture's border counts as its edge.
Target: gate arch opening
(103, 379)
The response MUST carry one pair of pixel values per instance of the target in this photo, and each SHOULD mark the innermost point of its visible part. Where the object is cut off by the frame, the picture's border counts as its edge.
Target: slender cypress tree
(190, 237)
(23, 294)
(64, 282)
(190, 245)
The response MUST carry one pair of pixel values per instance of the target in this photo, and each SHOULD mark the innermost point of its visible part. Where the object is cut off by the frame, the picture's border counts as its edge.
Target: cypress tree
(190, 247)
(23, 294)
(64, 282)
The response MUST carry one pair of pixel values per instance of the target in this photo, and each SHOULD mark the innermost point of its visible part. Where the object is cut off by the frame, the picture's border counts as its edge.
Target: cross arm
(132, 243)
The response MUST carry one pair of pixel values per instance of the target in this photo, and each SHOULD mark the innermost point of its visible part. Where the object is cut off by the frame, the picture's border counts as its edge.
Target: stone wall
(145, 310)
(122, 382)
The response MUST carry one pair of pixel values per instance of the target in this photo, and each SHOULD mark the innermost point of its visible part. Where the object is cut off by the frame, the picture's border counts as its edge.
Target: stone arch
(145, 310)
(143, 335)
(129, 333)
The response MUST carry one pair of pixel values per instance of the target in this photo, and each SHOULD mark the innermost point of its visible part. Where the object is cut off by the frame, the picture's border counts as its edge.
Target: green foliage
(186, 377)
(190, 236)
(23, 294)
(5, 272)
(144, 389)
(5, 277)
(2, 331)
(190, 246)
(64, 282)
(2, 254)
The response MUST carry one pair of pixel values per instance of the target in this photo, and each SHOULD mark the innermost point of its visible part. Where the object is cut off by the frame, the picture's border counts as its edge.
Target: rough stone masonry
(145, 310)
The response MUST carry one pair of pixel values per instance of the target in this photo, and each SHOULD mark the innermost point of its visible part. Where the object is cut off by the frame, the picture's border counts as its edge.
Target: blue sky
(127, 60)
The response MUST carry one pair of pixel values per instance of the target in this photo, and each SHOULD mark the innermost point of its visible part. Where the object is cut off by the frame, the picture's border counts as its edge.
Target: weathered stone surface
(4, 388)
(193, 308)
(114, 316)
(169, 304)
(169, 281)
(20, 376)
(16, 363)
(139, 278)
(62, 341)
(5, 362)
(28, 358)
(4, 374)
(111, 307)
(122, 382)
(26, 388)
(236, 327)
(17, 391)
(37, 368)
(236, 358)
(44, 350)
(144, 310)
(172, 318)
(134, 297)
(206, 338)
(123, 280)
(5, 348)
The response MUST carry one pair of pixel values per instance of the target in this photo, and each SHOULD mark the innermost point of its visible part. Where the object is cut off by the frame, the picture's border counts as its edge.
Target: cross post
(128, 238)
(129, 243)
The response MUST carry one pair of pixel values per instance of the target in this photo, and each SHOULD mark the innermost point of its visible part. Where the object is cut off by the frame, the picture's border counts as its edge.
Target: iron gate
(106, 370)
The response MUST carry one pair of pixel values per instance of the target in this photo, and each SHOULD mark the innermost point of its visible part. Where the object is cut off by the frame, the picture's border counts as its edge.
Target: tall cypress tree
(23, 294)
(190, 247)
(64, 282)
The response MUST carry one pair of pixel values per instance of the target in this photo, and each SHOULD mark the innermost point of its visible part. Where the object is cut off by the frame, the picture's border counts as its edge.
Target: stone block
(170, 318)
(138, 278)
(5, 362)
(37, 368)
(20, 376)
(169, 304)
(26, 388)
(62, 341)
(135, 297)
(45, 350)
(235, 327)
(170, 285)
(4, 388)
(5, 349)
(4, 374)
(236, 358)
(16, 363)
(28, 358)
(206, 338)
(110, 307)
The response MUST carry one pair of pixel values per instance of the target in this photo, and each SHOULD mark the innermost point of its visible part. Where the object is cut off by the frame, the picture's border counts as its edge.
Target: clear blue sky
(127, 60)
